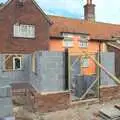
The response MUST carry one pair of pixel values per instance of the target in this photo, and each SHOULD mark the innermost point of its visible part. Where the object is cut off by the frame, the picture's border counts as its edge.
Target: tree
(1, 4)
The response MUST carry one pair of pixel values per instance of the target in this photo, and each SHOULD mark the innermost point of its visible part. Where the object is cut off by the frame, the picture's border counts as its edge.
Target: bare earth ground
(84, 112)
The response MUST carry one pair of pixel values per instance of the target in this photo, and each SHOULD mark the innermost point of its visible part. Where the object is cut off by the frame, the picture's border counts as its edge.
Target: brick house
(20, 30)
(25, 28)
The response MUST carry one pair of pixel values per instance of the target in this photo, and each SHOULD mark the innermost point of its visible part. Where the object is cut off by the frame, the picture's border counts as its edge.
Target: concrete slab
(110, 113)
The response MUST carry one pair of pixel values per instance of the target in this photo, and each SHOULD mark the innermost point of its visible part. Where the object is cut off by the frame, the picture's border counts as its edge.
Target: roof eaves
(57, 37)
(46, 17)
(102, 39)
(77, 33)
(42, 12)
(6, 4)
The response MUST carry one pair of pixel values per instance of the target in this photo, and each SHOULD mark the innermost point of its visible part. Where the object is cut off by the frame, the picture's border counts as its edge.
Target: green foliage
(1, 4)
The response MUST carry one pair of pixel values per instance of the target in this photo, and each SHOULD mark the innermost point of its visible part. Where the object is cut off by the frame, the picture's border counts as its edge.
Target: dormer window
(24, 31)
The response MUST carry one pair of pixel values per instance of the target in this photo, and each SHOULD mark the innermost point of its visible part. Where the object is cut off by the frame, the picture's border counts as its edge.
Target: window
(13, 62)
(83, 44)
(84, 62)
(17, 63)
(68, 42)
(26, 31)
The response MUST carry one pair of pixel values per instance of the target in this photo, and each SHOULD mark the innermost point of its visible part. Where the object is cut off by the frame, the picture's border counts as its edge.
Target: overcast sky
(106, 10)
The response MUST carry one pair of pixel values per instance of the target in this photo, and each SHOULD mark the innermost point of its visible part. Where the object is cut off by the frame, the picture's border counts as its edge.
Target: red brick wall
(52, 102)
(28, 14)
(61, 100)
(109, 93)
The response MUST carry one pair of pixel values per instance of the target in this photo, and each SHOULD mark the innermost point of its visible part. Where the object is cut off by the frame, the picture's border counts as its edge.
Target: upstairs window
(67, 42)
(83, 44)
(25, 31)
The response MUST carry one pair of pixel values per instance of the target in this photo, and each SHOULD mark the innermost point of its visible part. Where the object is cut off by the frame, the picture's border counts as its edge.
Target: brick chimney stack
(89, 11)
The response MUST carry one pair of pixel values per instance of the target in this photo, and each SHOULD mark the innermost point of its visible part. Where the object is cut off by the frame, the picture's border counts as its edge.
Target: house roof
(34, 2)
(97, 30)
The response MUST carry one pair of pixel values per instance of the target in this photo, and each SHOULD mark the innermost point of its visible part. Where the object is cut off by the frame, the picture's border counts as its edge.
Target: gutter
(56, 37)
(99, 40)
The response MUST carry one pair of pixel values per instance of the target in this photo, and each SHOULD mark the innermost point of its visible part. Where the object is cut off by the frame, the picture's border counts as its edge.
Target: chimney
(89, 11)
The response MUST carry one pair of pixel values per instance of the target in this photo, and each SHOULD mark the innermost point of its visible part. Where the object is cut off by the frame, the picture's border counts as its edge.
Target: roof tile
(97, 30)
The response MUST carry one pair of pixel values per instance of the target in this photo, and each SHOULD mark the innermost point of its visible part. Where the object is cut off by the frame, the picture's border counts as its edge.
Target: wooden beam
(105, 70)
(89, 89)
(7, 58)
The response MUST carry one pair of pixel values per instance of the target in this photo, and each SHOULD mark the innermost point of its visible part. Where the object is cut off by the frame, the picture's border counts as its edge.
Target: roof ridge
(5, 4)
(82, 20)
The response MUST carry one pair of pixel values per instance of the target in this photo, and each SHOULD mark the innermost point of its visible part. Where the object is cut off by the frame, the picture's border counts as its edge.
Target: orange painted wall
(93, 48)
(56, 45)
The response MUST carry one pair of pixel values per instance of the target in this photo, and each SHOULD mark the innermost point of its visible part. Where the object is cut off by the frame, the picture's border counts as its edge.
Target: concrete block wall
(6, 107)
(15, 76)
(5, 91)
(35, 77)
(50, 74)
(108, 61)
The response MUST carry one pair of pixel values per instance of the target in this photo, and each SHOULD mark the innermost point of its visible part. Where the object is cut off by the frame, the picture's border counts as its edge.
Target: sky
(106, 10)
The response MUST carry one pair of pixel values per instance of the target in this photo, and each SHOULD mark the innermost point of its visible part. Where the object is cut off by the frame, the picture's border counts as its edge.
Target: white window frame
(83, 65)
(14, 63)
(83, 44)
(67, 42)
(24, 30)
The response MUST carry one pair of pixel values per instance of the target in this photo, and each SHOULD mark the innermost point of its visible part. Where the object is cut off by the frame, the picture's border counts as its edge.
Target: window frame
(21, 33)
(84, 43)
(68, 39)
(14, 68)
